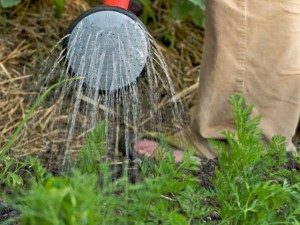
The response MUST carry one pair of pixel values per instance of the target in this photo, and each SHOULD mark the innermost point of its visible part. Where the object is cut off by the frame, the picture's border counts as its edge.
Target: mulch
(30, 30)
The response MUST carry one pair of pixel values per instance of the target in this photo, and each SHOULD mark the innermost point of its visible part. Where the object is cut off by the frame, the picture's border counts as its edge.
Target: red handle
(118, 3)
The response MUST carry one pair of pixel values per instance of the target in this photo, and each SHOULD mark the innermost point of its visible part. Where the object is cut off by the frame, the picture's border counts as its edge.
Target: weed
(9, 176)
(20, 173)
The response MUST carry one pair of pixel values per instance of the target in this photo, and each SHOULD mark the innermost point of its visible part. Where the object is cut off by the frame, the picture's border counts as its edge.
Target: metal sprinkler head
(108, 46)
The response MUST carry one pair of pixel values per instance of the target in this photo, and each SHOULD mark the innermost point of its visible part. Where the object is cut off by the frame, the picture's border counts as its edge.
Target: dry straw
(31, 30)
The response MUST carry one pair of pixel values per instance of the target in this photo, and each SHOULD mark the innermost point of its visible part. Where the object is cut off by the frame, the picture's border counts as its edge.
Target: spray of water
(130, 106)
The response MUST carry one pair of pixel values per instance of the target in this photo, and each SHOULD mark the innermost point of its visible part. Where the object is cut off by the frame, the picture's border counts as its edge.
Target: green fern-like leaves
(94, 150)
(246, 188)
(251, 185)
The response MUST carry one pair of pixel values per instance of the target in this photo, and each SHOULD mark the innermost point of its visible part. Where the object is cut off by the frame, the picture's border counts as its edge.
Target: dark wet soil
(213, 218)
(292, 164)
(206, 172)
(6, 213)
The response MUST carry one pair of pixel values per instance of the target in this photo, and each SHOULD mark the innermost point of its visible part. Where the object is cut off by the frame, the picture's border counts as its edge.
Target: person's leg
(252, 47)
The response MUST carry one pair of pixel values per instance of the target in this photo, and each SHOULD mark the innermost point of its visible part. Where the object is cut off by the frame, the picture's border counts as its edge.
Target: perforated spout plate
(108, 47)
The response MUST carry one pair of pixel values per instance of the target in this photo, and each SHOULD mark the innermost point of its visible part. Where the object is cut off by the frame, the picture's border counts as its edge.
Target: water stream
(75, 108)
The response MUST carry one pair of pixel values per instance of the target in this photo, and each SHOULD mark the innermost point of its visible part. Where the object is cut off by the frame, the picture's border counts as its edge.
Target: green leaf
(15, 179)
(190, 9)
(182, 9)
(59, 7)
(9, 3)
(200, 3)
(198, 17)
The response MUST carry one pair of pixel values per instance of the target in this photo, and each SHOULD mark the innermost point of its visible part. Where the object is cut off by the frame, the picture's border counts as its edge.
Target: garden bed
(248, 186)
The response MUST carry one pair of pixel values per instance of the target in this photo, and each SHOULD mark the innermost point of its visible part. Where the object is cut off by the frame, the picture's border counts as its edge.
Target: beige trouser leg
(252, 47)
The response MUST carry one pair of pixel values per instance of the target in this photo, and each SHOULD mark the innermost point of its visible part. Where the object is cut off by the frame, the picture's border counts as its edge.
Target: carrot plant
(251, 185)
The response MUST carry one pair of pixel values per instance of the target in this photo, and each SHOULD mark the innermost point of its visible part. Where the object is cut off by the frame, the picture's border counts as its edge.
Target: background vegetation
(181, 9)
